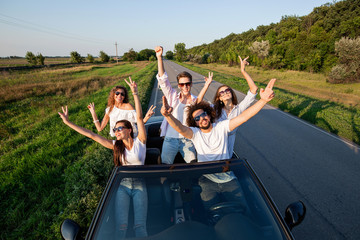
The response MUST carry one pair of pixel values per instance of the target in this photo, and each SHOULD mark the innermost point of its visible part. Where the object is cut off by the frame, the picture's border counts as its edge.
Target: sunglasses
(119, 129)
(121, 93)
(197, 118)
(183, 84)
(225, 91)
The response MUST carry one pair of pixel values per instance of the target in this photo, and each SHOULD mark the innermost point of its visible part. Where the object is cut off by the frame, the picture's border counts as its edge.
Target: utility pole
(117, 60)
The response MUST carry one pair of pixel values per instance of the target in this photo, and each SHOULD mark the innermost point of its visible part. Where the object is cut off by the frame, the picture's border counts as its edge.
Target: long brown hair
(119, 146)
(218, 104)
(111, 99)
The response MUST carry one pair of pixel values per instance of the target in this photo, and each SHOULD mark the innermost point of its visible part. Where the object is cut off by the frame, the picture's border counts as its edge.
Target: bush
(348, 68)
(90, 58)
(30, 57)
(76, 57)
(104, 57)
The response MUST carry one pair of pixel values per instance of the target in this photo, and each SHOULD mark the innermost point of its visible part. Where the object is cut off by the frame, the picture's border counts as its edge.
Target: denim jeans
(135, 189)
(213, 192)
(172, 146)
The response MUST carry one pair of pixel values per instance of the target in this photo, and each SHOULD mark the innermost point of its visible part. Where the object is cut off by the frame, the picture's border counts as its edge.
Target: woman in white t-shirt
(118, 108)
(127, 151)
(225, 101)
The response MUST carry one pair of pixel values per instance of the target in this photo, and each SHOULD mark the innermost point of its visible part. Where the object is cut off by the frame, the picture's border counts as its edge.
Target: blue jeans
(213, 192)
(135, 189)
(172, 146)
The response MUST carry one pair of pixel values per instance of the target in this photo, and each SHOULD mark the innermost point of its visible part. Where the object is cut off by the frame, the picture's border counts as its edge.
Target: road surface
(296, 160)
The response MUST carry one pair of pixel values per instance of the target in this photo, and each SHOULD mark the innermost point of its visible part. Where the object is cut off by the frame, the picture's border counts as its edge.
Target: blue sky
(55, 28)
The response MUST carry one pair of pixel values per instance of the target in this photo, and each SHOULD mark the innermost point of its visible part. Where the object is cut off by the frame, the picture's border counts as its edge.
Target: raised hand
(159, 51)
(132, 85)
(243, 63)
(91, 108)
(150, 112)
(268, 93)
(64, 114)
(165, 109)
(209, 79)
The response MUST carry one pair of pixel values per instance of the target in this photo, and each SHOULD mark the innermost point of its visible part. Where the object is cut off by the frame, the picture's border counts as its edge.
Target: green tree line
(306, 43)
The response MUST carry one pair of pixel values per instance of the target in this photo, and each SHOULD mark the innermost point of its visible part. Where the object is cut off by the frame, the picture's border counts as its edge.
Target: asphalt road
(296, 160)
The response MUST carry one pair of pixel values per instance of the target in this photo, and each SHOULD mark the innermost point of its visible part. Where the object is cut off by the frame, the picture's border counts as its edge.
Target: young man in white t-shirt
(211, 141)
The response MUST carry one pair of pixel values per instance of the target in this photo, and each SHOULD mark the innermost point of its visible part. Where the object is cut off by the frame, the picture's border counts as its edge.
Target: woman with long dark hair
(118, 108)
(225, 101)
(127, 151)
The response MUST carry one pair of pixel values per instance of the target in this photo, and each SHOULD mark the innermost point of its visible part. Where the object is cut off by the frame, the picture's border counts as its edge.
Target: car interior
(175, 209)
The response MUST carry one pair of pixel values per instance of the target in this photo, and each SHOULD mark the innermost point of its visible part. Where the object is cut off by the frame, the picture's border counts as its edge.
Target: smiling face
(184, 85)
(202, 119)
(122, 130)
(224, 93)
(119, 95)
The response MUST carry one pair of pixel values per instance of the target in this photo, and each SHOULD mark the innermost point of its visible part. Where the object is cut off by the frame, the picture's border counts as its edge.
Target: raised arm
(265, 96)
(99, 126)
(205, 88)
(250, 82)
(176, 124)
(139, 116)
(149, 113)
(87, 133)
(159, 52)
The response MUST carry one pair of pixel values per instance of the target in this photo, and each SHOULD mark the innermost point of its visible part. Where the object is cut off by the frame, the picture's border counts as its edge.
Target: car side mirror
(295, 214)
(70, 230)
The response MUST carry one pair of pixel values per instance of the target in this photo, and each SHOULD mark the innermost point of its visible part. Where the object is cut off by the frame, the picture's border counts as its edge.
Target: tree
(76, 57)
(180, 52)
(152, 58)
(104, 57)
(90, 58)
(145, 54)
(130, 56)
(31, 58)
(169, 55)
(348, 68)
(261, 49)
(40, 59)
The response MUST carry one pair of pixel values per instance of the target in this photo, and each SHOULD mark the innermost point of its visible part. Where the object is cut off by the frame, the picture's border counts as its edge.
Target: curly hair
(205, 106)
(119, 147)
(111, 99)
(218, 104)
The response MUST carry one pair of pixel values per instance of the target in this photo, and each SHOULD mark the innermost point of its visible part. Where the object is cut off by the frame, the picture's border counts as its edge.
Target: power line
(50, 31)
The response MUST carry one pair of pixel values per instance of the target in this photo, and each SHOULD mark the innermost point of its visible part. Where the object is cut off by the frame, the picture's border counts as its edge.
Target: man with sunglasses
(173, 141)
(211, 142)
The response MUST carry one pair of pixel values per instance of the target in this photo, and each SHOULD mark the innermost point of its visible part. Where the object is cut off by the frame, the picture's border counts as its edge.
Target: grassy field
(333, 107)
(48, 172)
(7, 62)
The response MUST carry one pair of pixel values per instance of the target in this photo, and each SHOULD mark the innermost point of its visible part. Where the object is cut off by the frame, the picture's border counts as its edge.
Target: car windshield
(180, 202)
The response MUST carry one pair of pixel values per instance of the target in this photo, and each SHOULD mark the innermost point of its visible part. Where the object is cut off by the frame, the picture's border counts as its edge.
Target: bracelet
(135, 94)
(96, 121)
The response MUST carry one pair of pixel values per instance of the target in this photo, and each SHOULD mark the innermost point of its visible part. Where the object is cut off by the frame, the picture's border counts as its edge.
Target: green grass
(48, 172)
(336, 118)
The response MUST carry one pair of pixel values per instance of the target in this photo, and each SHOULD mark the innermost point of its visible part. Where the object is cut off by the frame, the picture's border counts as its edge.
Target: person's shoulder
(128, 106)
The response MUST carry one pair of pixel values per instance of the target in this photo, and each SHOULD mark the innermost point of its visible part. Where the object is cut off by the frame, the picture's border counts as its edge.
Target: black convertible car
(175, 209)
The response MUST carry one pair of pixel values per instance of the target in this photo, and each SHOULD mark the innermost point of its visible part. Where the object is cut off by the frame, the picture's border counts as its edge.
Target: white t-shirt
(213, 146)
(136, 155)
(236, 111)
(178, 113)
(117, 114)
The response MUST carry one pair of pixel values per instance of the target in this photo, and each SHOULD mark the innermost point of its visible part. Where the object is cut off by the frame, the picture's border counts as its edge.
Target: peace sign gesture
(209, 79)
(133, 86)
(268, 93)
(243, 63)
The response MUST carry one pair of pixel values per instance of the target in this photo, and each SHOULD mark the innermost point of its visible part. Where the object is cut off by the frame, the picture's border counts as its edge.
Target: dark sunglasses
(119, 129)
(197, 118)
(225, 91)
(121, 93)
(183, 84)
